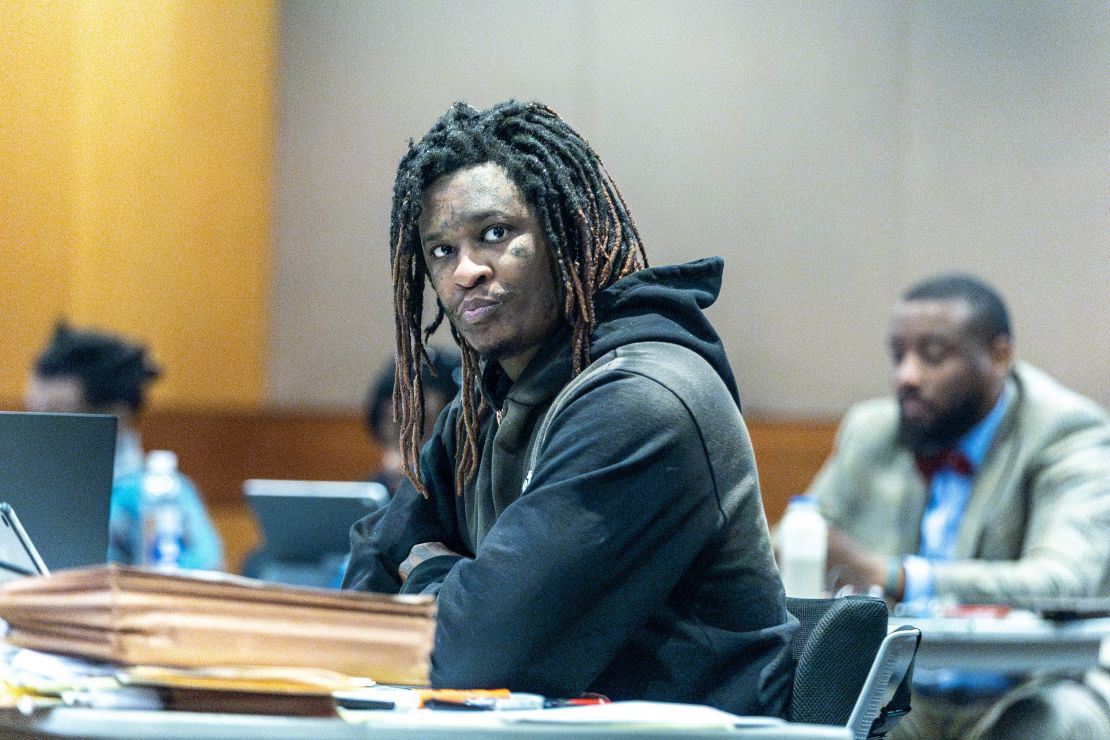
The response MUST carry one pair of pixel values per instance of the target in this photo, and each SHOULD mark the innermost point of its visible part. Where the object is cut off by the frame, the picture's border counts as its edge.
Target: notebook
(210, 620)
(56, 471)
(306, 521)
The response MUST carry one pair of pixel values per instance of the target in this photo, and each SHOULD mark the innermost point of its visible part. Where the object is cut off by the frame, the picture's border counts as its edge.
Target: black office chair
(850, 671)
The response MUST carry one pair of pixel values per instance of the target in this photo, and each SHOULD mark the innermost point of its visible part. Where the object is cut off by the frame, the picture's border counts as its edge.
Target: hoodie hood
(665, 304)
(656, 304)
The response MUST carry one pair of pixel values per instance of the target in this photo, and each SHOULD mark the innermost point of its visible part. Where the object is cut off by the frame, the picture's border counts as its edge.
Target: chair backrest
(834, 648)
(848, 667)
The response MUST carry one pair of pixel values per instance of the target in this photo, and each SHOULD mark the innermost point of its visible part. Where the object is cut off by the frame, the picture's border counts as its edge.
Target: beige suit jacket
(1037, 522)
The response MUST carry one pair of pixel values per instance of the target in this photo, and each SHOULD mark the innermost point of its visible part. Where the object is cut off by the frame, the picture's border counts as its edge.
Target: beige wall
(135, 195)
(831, 152)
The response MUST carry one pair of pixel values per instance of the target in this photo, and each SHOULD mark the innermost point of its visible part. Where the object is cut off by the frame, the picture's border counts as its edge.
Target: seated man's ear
(1002, 354)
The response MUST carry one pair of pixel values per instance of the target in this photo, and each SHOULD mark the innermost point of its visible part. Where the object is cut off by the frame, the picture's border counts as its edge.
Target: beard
(929, 436)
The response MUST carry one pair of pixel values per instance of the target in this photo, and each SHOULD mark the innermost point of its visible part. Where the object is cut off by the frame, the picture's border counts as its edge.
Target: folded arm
(613, 517)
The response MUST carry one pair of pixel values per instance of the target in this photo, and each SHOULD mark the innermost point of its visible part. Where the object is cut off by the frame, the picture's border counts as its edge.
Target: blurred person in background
(93, 372)
(441, 385)
(981, 480)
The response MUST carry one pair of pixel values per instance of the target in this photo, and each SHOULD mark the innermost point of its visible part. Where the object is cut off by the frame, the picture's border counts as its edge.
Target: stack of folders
(134, 616)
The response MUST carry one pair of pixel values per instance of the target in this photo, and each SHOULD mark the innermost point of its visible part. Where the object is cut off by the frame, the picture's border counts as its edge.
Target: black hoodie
(637, 562)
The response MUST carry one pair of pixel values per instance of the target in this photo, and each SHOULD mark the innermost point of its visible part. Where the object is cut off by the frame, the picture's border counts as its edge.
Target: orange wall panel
(36, 225)
(148, 192)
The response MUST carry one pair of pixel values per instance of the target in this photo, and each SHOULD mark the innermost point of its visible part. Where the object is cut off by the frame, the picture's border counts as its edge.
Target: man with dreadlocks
(587, 510)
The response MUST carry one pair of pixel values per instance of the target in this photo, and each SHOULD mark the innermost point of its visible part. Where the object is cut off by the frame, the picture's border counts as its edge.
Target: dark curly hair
(110, 368)
(989, 317)
(586, 223)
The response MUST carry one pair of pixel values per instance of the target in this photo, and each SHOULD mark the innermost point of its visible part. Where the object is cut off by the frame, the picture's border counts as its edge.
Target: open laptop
(306, 521)
(18, 555)
(56, 471)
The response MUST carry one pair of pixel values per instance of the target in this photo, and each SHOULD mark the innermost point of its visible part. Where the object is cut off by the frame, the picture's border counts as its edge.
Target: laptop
(1068, 608)
(306, 521)
(56, 471)
(18, 555)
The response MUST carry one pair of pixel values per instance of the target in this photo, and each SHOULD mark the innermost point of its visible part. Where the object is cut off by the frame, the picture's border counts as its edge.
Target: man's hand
(855, 566)
(418, 554)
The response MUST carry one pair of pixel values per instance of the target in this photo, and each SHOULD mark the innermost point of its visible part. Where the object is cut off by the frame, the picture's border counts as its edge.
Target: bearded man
(982, 480)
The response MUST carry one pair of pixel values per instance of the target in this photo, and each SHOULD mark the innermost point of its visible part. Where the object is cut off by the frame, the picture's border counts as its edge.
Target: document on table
(194, 619)
(644, 713)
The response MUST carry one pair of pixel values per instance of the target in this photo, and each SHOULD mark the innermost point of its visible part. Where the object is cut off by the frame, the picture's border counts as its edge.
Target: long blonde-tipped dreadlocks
(585, 220)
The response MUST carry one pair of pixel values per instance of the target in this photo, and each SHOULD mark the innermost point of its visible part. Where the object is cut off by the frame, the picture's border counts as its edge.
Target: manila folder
(136, 616)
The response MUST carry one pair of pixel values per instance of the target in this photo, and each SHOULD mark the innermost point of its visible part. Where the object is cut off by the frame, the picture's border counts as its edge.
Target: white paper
(643, 713)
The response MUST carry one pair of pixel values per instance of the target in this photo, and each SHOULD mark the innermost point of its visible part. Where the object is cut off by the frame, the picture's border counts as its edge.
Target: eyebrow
(469, 218)
(923, 339)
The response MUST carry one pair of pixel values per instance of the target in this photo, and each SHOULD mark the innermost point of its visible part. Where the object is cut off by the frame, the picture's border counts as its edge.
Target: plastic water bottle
(163, 521)
(803, 539)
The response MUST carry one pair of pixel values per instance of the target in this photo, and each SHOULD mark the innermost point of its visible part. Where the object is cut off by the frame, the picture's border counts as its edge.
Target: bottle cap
(801, 498)
(161, 461)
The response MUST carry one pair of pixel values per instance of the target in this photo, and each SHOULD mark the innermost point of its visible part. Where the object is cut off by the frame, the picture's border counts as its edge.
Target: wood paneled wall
(135, 192)
(220, 451)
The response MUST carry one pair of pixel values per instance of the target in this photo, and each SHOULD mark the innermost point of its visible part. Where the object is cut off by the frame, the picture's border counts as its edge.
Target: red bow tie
(951, 459)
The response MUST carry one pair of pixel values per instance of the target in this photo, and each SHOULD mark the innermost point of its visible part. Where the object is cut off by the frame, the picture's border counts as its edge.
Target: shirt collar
(977, 440)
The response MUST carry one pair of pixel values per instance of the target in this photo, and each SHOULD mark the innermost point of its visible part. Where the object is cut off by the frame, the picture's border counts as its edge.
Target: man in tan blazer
(982, 480)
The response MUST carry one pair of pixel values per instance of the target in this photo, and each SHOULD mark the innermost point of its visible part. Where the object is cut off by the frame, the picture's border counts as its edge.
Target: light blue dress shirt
(948, 495)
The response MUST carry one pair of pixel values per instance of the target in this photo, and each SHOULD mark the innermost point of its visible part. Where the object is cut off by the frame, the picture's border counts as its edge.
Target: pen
(514, 700)
(458, 696)
(578, 701)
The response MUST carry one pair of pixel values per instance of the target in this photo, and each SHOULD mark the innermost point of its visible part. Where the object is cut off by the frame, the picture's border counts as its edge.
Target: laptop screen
(56, 471)
(18, 555)
(305, 521)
